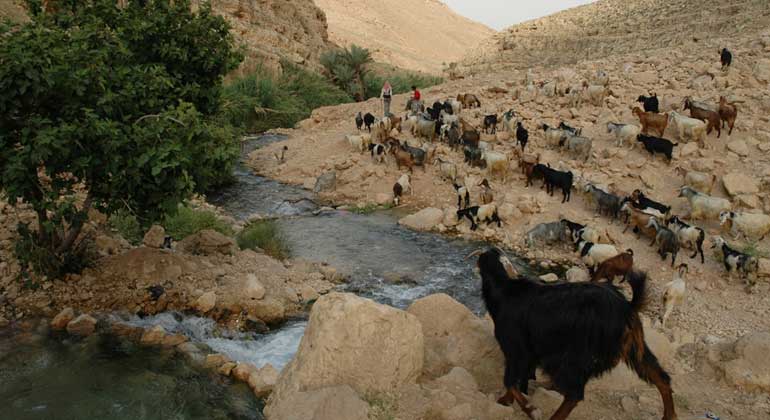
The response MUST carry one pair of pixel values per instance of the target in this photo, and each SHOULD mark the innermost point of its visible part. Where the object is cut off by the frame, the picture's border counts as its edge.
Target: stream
(105, 377)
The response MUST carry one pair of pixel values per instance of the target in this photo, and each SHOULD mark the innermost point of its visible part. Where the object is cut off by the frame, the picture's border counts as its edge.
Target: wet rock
(206, 302)
(84, 325)
(269, 310)
(226, 368)
(736, 183)
(192, 353)
(173, 340)
(154, 237)
(252, 288)
(243, 371)
(153, 336)
(207, 242)
(214, 361)
(344, 334)
(262, 381)
(332, 403)
(423, 220)
(576, 274)
(63, 318)
(454, 337)
(751, 369)
(326, 182)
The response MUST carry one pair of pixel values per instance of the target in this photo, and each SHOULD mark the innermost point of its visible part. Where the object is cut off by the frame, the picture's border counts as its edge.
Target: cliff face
(411, 34)
(612, 27)
(275, 29)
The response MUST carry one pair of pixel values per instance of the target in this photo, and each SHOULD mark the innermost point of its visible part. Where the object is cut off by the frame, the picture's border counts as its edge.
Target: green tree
(348, 68)
(110, 108)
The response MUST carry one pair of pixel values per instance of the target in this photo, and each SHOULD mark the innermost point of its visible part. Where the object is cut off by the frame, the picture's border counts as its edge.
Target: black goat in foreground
(572, 331)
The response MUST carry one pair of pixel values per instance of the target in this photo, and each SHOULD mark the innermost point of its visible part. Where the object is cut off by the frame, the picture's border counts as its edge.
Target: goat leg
(512, 395)
(564, 409)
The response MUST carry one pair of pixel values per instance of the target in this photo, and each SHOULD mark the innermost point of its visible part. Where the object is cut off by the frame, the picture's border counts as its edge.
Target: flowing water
(105, 377)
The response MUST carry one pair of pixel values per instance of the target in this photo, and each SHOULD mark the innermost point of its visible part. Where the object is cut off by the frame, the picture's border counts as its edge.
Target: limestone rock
(63, 318)
(262, 381)
(153, 336)
(227, 368)
(353, 341)
(738, 147)
(736, 183)
(751, 369)
(332, 403)
(206, 302)
(154, 237)
(252, 288)
(269, 310)
(214, 361)
(243, 371)
(450, 217)
(508, 212)
(83, 325)
(207, 242)
(424, 220)
(456, 337)
(576, 274)
(688, 149)
(550, 277)
(326, 182)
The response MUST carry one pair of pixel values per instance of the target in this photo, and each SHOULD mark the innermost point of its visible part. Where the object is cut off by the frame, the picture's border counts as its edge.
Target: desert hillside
(611, 27)
(412, 34)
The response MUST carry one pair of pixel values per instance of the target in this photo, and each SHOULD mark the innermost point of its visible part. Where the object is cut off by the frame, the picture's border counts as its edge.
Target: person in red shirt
(414, 103)
(415, 93)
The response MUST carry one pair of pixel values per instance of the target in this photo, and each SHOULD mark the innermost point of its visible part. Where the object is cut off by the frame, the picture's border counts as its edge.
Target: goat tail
(638, 282)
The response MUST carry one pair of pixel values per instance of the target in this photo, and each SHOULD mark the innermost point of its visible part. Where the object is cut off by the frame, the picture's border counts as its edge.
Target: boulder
(153, 336)
(262, 381)
(332, 403)
(268, 310)
(207, 242)
(549, 278)
(424, 220)
(252, 288)
(455, 337)
(206, 302)
(83, 325)
(350, 340)
(738, 147)
(63, 318)
(736, 183)
(326, 182)
(577, 274)
(751, 369)
(154, 237)
(450, 217)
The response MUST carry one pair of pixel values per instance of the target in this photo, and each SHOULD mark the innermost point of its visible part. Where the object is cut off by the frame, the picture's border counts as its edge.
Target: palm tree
(358, 59)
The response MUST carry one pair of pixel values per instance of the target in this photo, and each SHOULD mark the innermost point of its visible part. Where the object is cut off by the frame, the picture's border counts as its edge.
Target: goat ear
(508, 266)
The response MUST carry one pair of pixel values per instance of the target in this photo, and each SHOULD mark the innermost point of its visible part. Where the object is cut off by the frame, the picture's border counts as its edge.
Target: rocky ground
(717, 308)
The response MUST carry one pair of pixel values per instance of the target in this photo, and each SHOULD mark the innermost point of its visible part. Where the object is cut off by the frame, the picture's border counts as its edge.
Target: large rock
(455, 337)
(83, 325)
(207, 242)
(737, 183)
(154, 237)
(326, 182)
(268, 310)
(738, 147)
(206, 302)
(252, 288)
(352, 341)
(63, 318)
(332, 403)
(751, 369)
(262, 381)
(425, 219)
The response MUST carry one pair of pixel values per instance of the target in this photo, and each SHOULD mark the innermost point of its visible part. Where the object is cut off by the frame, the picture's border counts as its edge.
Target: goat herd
(535, 323)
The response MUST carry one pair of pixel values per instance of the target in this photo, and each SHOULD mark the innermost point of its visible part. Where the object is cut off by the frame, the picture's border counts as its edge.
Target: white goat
(675, 292)
(594, 254)
(687, 127)
(624, 132)
(704, 206)
(359, 142)
(496, 163)
(753, 226)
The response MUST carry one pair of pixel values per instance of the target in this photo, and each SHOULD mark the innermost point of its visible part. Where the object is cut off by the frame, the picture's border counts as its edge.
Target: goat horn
(475, 253)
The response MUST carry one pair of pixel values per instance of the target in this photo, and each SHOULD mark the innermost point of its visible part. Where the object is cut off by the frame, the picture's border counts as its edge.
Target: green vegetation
(127, 225)
(382, 406)
(265, 235)
(188, 221)
(262, 100)
(110, 107)
(752, 249)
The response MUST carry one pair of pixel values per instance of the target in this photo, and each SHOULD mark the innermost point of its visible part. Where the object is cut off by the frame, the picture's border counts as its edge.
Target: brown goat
(527, 164)
(619, 265)
(469, 100)
(728, 112)
(639, 220)
(403, 158)
(651, 121)
(711, 118)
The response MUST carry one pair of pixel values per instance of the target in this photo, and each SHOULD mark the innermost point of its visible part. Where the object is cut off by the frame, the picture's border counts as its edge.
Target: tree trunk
(76, 227)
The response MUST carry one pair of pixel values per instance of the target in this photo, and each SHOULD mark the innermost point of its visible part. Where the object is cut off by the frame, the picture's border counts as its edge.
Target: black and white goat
(574, 332)
(735, 260)
(650, 103)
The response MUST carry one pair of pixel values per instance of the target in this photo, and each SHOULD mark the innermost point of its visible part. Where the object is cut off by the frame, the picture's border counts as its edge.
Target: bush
(42, 259)
(267, 236)
(188, 221)
(127, 225)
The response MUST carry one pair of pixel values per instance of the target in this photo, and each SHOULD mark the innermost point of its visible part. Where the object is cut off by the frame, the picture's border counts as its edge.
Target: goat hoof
(506, 400)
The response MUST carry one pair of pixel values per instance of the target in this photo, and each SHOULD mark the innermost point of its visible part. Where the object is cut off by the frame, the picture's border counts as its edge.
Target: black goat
(473, 157)
(522, 135)
(641, 202)
(359, 121)
(657, 145)
(490, 122)
(650, 103)
(565, 127)
(368, 121)
(553, 178)
(726, 57)
(435, 110)
(574, 332)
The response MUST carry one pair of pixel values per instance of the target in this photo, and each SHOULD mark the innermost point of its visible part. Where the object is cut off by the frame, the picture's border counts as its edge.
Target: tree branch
(76, 227)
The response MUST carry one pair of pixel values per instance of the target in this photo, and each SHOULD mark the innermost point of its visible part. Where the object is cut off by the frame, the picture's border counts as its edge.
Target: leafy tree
(110, 108)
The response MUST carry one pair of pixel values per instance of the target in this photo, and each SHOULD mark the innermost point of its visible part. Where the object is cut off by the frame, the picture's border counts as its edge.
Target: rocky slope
(412, 34)
(611, 27)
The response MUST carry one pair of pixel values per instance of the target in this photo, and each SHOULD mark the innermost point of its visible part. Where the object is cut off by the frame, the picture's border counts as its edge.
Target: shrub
(127, 225)
(266, 235)
(187, 221)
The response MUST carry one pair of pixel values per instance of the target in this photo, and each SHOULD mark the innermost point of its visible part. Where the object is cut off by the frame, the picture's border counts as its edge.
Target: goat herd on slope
(573, 331)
